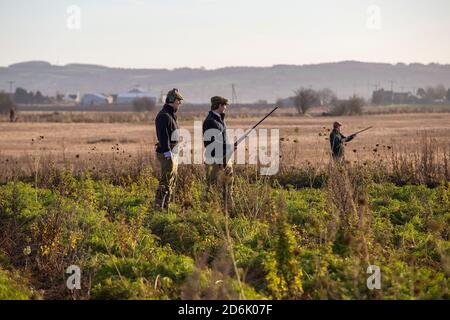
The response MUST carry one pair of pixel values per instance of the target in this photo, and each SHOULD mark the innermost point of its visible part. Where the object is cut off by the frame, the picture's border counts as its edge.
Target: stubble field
(306, 137)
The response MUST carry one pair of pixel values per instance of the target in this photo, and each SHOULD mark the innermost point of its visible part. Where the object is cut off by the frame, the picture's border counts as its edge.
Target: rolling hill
(252, 83)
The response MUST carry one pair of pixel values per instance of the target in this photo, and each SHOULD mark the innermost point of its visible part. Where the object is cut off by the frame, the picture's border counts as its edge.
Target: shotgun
(361, 131)
(245, 135)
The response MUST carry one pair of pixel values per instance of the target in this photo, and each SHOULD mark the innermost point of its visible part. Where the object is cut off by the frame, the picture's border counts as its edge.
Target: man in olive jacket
(337, 140)
(166, 126)
(219, 170)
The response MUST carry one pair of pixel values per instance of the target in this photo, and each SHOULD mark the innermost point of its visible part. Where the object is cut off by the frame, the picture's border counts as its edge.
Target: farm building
(130, 96)
(383, 97)
(72, 97)
(91, 99)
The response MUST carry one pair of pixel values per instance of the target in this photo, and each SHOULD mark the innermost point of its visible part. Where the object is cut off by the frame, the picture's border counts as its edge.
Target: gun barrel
(254, 127)
(362, 131)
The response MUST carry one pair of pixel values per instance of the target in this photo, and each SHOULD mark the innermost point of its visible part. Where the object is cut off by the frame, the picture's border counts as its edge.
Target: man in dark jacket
(219, 170)
(337, 140)
(166, 132)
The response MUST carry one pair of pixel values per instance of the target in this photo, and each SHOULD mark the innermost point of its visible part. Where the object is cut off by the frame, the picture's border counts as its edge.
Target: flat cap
(173, 95)
(218, 100)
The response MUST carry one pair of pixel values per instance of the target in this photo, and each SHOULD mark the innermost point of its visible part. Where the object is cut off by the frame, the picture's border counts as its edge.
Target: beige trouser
(167, 180)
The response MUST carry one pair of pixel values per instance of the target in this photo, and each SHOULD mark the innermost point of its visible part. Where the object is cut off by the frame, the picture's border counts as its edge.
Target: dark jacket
(166, 124)
(214, 121)
(337, 141)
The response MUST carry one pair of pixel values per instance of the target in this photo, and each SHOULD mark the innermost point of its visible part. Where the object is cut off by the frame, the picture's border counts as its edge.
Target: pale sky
(219, 33)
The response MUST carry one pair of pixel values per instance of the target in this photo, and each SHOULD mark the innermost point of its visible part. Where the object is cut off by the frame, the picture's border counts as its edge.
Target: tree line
(306, 98)
(22, 96)
(438, 92)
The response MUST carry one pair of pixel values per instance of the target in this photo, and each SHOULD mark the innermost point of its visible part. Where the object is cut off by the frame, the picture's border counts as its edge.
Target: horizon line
(224, 67)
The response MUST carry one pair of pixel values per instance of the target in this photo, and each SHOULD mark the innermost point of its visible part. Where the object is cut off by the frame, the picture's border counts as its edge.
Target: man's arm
(162, 133)
(208, 125)
(349, 138)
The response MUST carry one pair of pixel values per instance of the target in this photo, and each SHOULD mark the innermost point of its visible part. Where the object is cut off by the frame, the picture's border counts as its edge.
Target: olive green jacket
(337, 141)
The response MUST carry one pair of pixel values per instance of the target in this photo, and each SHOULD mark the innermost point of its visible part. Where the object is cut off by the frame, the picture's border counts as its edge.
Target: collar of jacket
(218, 116)
(335, 131)
(170, 110)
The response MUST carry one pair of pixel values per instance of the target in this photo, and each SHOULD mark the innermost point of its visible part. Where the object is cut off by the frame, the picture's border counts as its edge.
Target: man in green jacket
(337, 140)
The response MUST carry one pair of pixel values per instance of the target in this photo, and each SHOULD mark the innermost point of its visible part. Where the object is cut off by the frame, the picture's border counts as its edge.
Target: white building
(72, 97)
(93, 99)
(130, 96)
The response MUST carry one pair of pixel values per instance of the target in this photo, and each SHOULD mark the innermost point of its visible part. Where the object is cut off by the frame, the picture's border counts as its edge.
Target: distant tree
(144, 104)
(280, 102)
(286, 102)
(356, 105)
(448, 95)
(435, 93)
(440, 92)
(261, 102)
(350, 107)
(326, 96)
(429, 93)
(39, 98)
(21, 96)
(421, 93)
(305, 99)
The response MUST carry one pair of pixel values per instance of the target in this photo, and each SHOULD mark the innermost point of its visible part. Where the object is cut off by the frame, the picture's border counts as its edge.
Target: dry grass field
(302, 138)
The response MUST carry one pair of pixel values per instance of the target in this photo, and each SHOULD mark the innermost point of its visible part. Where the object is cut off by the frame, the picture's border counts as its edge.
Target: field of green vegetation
(278, 241)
